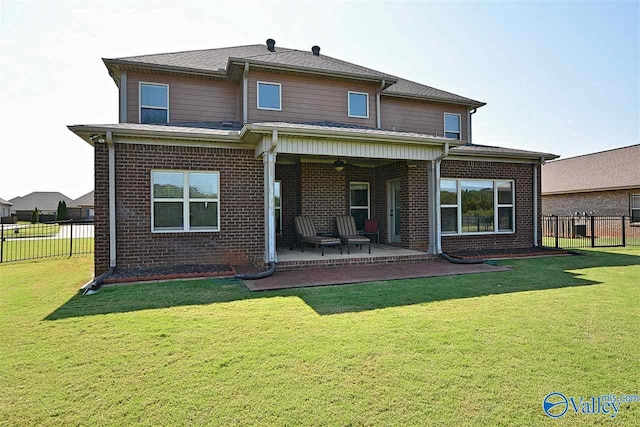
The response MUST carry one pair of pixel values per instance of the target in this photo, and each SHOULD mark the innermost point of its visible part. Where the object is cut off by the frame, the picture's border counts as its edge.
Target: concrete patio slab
(366, 273)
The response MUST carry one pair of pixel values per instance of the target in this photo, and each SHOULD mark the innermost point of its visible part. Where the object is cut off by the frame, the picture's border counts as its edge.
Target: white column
(269, 162)
(535, 204)
(432, 207)
(438, 210)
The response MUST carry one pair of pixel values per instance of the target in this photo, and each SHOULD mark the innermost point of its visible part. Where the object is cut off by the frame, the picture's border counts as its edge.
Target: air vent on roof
(315, 50)
(271, 45)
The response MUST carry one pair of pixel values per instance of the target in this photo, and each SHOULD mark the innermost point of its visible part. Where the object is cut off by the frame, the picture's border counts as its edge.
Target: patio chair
(307, 234)
(349, 234)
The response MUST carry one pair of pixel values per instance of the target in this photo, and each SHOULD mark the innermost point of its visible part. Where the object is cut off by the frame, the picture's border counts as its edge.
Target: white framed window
(635, 208)
(185, 201)
(358, 104)
(477, 206)
(278, 197)
(269, 96)
(452, 126)
(359, 202)
(153, 102)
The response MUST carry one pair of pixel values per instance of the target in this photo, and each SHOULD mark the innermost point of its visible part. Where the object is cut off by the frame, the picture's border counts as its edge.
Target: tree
(35, 216)
(62, 211)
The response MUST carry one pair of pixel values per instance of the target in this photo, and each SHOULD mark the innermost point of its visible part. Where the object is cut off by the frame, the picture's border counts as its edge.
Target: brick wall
(522, 174)
(604, 203)
(241, 207)
(323, 194)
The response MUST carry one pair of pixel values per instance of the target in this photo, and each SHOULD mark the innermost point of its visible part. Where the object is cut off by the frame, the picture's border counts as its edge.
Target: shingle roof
(84, 200)
(611, 169)
(43, 200)
(216, 61)
(4, 202)
(490, 150)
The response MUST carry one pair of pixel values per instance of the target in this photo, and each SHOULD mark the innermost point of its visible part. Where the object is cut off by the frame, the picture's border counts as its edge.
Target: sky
(560, 77)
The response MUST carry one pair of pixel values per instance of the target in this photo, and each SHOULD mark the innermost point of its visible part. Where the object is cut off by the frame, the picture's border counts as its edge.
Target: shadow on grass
(528, 275)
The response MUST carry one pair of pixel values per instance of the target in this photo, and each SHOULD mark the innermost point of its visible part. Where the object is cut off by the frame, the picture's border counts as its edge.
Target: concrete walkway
(365, 273)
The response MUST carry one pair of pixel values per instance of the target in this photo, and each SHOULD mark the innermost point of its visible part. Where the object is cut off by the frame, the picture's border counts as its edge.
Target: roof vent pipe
(315, 50)
(271, 45)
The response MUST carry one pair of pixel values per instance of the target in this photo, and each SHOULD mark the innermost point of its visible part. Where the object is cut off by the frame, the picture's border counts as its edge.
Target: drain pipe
(95, 285)
(378, 114)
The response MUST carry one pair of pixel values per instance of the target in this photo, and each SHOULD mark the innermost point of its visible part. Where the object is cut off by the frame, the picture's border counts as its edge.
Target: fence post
(624, 236)
(71, 238)
(1, 242)
(593, 232)
(556, 230)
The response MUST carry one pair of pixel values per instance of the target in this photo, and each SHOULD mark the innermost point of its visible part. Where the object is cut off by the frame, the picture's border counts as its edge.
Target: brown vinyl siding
(411, 115)
(310, 99)
(191, 99)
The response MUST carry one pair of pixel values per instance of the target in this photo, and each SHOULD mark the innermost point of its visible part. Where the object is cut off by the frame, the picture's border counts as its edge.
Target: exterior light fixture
(339, 165)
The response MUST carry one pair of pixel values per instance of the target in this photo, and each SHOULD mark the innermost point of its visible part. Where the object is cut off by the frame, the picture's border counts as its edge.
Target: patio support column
(269, 162)
(432, 183)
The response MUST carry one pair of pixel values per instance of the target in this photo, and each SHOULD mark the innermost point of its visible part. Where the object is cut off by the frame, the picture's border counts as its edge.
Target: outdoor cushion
(320, 240)
(304, 226)
(346, 225)
(355, 239)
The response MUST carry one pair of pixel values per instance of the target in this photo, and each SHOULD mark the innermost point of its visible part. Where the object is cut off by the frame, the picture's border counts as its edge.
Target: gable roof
(218, 62)
(43, 200)
(4, 202)
(84, 200)
(606, 170)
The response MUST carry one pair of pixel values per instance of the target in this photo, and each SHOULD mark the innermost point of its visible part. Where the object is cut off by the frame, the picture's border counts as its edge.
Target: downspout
(123, 96)
(469, 127)
(378, 115)
(436, 165)
(270, 222)
(93, 287)
(245, 95)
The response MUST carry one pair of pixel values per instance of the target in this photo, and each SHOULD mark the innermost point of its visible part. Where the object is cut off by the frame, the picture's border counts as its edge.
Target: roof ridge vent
(271, 45)
(315, 50)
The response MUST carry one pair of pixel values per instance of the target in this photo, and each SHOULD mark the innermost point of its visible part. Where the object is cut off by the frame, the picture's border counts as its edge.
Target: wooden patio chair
(307, 234)
(349, 234)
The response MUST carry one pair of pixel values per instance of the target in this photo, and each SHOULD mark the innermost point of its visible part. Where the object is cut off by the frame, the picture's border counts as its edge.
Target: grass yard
(32, 230)
(480, 349)
(19, 249)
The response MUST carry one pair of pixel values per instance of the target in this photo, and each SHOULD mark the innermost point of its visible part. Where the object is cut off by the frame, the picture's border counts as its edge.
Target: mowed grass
(28, 249)
(480, 349)
(32, 230)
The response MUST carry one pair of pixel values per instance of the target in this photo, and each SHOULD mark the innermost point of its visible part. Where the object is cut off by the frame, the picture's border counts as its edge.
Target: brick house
(216, 151)
(606, 183)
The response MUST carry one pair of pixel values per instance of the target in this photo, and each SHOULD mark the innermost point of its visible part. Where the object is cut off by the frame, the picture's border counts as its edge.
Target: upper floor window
(452, 126)
(358, 104)
(269, 96)
(154, 103)
(635, 208)
(185, 201)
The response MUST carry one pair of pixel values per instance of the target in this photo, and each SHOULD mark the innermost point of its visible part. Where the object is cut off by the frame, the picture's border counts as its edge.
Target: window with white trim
(154, 103)
(184, 201)
(359, 205)
(475, 206)
(635, 208)
(358, 104)
(278, 197)
(452, 126)
(269, 96)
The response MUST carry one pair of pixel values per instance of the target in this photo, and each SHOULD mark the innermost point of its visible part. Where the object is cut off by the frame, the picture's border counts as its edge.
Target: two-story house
(217, 151)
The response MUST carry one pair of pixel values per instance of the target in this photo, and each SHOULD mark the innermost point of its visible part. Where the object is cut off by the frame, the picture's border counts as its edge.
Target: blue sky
(561, 77)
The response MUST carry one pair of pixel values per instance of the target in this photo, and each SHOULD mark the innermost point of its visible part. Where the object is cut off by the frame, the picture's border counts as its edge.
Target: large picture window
(635, 208)
(476, 206)
(154, 103)
(359, 202)
(185, 201)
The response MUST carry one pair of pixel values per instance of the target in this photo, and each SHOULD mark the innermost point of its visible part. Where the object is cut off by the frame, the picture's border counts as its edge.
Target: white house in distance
(5, 208)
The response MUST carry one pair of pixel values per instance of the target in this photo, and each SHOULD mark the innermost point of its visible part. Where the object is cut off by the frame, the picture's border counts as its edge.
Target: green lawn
(480, 349)
(31, 230)
(13, 250)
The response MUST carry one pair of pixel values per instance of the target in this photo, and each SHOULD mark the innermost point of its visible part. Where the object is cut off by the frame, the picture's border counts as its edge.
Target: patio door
(394, 211)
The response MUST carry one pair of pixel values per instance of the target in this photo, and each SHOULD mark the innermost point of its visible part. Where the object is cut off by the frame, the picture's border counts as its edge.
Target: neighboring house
(218, 150)
(85, 203)
(45, 201)
(605, 183)
(5, 208)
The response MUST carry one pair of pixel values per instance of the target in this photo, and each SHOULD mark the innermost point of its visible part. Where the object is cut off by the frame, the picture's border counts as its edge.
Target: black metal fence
(19, 242)
(576, 232)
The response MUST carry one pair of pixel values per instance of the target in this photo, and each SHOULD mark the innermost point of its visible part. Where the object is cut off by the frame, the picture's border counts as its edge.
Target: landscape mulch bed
(128, 275)
(507, 253)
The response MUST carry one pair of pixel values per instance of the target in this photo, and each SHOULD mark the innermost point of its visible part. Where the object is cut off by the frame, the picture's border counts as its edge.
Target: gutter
(469, 103)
